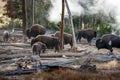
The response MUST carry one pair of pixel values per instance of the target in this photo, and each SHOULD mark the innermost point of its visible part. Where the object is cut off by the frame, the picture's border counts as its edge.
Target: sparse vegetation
(13, 24)
(66, 74)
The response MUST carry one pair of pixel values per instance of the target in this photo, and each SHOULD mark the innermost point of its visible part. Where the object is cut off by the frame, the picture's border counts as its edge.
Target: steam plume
(78, 7)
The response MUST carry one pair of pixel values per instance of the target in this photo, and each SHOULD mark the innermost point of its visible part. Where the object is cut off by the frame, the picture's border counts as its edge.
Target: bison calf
(108, 41)
(38, 47)
(88, 34)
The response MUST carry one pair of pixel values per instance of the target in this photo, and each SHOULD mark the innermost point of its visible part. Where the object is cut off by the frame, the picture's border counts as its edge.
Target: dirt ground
(10, 56)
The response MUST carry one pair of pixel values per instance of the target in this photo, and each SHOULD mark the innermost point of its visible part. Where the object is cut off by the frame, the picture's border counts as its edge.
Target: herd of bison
(40, 42)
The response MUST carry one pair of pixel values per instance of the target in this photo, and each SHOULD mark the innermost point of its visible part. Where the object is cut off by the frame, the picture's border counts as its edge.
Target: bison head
(102, 44)
(33, 41)
(44, 47)
(28, 33)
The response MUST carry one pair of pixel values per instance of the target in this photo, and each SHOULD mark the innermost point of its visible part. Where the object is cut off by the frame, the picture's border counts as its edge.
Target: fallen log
(18, 72)
(45, 66)
(23, 45)
(3, 51)
(87, 66)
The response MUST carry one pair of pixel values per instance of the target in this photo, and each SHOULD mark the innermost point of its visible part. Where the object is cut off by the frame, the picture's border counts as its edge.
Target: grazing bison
(88, 34)
(35, 30)
(108, 41)
(51, 42)
(6, 36)
(67, 38)
(38, 47)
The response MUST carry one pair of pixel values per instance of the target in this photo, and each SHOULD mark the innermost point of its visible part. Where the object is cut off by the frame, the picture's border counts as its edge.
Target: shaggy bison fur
(6, 36)
(108, 41)
(35, 30)
(88, 34)
(51, 42)
(38, 47)
(67, 38)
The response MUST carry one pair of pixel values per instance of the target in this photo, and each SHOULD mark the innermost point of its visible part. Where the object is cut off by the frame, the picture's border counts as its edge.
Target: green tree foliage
(99, 21)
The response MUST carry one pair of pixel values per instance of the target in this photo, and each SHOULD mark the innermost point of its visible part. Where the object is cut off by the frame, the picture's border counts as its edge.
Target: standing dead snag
(24, 18)
(72, 26)
(62, 26)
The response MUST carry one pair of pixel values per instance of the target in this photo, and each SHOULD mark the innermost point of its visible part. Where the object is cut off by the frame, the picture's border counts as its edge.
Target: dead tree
(62, 27)
(87, 66)
(33, 12)
(72, 26)
(24, 18)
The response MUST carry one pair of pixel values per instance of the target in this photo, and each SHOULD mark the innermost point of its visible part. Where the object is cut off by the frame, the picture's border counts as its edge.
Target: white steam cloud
(78, 7)
(56, 9)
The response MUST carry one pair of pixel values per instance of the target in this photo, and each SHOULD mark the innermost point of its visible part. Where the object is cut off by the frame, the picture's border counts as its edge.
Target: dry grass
(3, 78)
(65, 74)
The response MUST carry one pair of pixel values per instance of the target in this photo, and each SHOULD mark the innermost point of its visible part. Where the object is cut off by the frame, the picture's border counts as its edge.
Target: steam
(79, 7)
(56, 9)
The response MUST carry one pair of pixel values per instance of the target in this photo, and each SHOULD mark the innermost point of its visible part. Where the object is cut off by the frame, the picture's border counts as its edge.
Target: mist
(81, 7)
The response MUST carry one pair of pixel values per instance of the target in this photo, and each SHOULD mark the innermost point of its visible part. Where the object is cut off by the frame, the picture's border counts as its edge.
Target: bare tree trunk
(33, 20)
(24, 19)
(62, 26)
(72, 26)
(24, 16)
(26, 12)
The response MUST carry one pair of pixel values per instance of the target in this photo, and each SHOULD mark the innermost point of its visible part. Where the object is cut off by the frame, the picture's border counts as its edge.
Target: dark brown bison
(51, 42)
(108, 41)
(6, 36)
(35, 30)
(88, 34)
(67, 38)
(38, 47)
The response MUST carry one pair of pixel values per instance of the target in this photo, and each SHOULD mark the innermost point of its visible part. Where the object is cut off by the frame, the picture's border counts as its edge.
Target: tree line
(36, 11)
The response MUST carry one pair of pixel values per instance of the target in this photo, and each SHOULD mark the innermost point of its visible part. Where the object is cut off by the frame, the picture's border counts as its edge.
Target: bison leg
(110, 49)
(56, 48)
(39, 56)
(89, 40)
(79, 38)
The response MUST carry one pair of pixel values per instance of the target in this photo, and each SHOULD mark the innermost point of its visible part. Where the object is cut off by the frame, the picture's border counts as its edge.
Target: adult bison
(88, 34)
(108, 41)
(67, 38)
(35, 30)
(51, 42)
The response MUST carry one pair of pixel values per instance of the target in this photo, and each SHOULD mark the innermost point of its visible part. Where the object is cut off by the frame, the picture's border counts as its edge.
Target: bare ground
(10, 56)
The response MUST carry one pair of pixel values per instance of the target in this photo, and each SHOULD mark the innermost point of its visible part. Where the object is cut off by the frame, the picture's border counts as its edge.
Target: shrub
(13, 24)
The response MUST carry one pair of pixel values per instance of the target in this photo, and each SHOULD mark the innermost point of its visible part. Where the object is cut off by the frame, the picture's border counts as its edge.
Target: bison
(108, 41)
(6, 36)
(35, 30)
(38, 47)
(67, 38)
(88, 34)
(51, 42)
